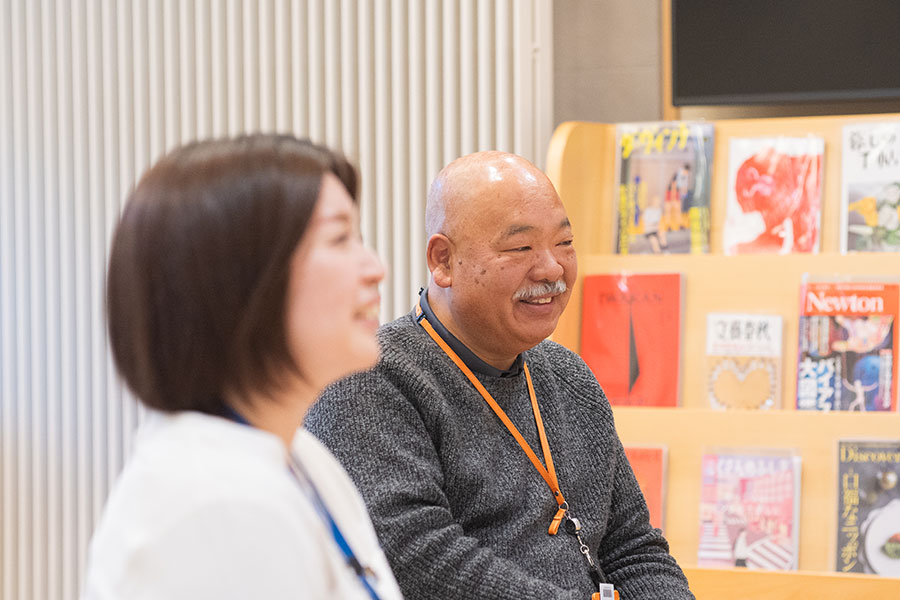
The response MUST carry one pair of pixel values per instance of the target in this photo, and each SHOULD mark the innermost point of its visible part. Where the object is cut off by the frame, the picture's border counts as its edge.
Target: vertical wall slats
(349, 97)
(539, 115)
(523, 48)
(96, 259)
(108, 200)
(68, 394)
(203, 69)
(19, 501)
(484, 26)
(383, 130)
(170, 48)
(157, 84)
(8, 546)
(452, 88)
(92, 92)
(135, 81)
(218, 32)
(37, 297)
(434, 101)
(365, 24)
(52, 533)
(234, 66)
(413, 195)
(251, 55)
(120, 407)
(315, 25)
(83, 501)
(267, 66)
(399, 156)
(503, 75)
(330, 76)
(187, 69)
(282, 74)
(469, 118)
(299, 68)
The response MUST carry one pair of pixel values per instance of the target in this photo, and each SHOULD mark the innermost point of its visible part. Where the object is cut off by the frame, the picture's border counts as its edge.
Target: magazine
(631, 336)
(868, 515)
(743, 360)
(649, 466)
(774, 195)
(870, 188)
(749, 503)
(847, 346)
(662, 187)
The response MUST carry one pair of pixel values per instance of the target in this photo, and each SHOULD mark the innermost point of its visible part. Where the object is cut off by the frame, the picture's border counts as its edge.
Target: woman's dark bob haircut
(199, 268)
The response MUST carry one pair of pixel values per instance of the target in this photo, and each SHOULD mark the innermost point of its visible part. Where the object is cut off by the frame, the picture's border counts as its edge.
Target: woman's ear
(439, 255)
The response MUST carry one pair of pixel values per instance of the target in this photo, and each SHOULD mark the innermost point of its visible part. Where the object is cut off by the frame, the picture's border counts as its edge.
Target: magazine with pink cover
(774, 195)
(749, 503)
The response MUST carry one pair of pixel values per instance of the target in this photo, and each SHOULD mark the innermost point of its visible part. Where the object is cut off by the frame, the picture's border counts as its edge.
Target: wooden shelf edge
(738, 584)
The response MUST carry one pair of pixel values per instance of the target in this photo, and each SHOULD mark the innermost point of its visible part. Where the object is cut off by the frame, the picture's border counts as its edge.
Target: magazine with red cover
(749, 509)
(774, 195)
(847, 346)
(649, 466)
(631, 336)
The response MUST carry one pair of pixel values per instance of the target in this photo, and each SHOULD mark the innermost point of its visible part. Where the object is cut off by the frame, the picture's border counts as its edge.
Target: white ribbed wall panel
(93, 91)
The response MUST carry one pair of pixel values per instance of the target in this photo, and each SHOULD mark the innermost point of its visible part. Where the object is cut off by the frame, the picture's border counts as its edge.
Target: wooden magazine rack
(581, 163)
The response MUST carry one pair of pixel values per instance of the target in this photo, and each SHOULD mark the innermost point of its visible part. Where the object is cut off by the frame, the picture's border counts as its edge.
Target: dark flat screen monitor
(778, 51)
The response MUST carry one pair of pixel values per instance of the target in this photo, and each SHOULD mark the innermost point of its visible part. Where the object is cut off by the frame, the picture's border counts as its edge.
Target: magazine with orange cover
(631, 336)
(649, 466)
(848, 346)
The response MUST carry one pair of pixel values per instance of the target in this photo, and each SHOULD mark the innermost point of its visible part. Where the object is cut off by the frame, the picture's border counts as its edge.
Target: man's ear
(439, 256)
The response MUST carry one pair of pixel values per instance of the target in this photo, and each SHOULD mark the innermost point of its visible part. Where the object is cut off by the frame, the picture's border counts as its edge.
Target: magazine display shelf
(581, 163)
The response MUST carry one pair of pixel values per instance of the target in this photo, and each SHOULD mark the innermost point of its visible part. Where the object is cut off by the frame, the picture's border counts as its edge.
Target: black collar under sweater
(468, 357)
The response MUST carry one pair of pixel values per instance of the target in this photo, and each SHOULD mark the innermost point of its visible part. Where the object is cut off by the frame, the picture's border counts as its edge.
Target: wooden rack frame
(581, 163)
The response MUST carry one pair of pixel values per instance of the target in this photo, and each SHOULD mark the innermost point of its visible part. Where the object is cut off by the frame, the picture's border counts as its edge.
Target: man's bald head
(500, 254)
(464, 187)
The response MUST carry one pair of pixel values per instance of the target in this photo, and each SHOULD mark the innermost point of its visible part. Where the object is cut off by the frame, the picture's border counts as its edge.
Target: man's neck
(440, 307)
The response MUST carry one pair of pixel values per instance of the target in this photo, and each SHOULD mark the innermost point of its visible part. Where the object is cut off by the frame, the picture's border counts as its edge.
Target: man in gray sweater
(487, 455)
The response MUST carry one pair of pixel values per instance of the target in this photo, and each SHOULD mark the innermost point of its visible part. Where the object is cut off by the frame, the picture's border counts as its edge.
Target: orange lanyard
(548, 473)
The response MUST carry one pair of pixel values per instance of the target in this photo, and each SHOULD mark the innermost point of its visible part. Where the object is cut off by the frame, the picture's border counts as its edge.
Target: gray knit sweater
(460, 510)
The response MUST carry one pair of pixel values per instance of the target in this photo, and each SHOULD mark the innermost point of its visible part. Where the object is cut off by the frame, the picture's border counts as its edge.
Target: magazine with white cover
(870, 187)
(743, 360)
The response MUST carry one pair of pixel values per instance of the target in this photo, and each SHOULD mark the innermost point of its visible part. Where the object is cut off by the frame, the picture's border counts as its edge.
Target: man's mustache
(542, 289)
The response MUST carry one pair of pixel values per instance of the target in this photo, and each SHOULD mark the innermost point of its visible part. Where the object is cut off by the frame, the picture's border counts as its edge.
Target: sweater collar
(468, 357)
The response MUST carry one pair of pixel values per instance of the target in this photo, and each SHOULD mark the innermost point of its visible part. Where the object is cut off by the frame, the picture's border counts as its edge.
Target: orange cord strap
(548, 473)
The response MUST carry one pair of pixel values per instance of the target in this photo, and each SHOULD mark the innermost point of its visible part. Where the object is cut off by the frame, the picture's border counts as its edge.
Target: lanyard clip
(558, 517)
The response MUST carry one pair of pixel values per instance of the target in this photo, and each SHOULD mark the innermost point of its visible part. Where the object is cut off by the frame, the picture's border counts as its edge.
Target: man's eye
(566, 243)
(520, 249)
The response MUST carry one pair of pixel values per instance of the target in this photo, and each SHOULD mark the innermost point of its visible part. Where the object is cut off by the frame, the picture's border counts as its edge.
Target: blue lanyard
(366, 575)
